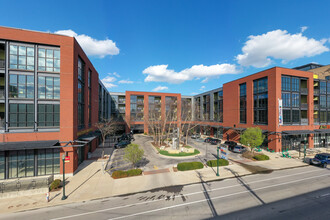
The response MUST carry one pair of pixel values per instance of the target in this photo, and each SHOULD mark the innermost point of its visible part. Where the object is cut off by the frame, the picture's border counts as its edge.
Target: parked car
(230, 144)
(195, 136)
(122, 144)
(215, 141)
(320, 160)
(239, 149)
(208, 139)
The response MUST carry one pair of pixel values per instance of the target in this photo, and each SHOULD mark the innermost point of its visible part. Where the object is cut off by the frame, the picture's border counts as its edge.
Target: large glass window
(48, 115)
(48, 87)
(260, 88)
(81, 97)
(21, 86)
(2, 165)
(21, 115)
(323, 87)
(242, 104)
(286, 83)
(48, 60)
(48, 161)
(21, 57)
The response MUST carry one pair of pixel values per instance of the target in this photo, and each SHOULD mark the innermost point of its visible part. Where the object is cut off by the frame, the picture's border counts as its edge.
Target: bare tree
(107, 127)
(187, 123)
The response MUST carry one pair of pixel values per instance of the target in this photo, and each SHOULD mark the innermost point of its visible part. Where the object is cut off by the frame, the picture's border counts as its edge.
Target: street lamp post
(218, 160)
(63, 160)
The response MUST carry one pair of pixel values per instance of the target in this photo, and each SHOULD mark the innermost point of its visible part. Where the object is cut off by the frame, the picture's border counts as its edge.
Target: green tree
(133, 153)
(252, 137)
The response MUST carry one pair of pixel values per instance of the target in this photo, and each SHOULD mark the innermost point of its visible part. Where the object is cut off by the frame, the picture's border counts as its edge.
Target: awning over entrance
(322, 131)
(298, 132)
(28, 145)
(217, 126)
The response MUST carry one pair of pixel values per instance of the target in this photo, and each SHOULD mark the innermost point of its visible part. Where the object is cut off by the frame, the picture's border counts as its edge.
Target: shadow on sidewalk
(84, 182)
(206, 194)
(241, 182)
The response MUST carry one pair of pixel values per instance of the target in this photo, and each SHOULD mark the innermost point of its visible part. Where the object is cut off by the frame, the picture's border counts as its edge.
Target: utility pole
(63, 159)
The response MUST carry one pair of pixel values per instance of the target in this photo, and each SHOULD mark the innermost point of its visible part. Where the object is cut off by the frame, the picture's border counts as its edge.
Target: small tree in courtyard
(106, 127)
(133, 154)
(252, 137)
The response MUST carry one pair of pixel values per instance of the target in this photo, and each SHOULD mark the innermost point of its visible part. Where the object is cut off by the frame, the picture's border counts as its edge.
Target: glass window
(286, 83)
(56, 160)
(49, 161)
(295, 84)
(21, 163)
(21, 86)
(323, 101)
(49, 60)
(323, 116)
(12, 168)
(41, 162)
(295, 100)
(48, 87)
(21, 115)
(2, 165)
(21, 57)
(323, 87)
(30, 163)
(48, 115)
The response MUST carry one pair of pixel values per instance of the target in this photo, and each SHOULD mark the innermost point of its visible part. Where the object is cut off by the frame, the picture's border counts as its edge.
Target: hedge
(55, 184)
(121, 174)
(181, 154)
(261, 157)
(213, 163)
(190, 166)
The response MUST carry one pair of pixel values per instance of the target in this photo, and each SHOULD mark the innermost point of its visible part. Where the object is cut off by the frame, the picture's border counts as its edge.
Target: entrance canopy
(298, 132)
(322, 131)
(28, 145)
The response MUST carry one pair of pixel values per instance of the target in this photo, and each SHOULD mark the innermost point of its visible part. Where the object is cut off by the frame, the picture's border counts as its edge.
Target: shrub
(55, 184)
(213, 163)
(189, 166)
(261, 157)
(134, 172)
(145, 133)
(121, 174)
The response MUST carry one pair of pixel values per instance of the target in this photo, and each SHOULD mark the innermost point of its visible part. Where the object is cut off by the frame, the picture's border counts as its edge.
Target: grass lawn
(181, 154)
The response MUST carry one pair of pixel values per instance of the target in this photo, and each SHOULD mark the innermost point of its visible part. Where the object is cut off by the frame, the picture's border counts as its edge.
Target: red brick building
(50, 97)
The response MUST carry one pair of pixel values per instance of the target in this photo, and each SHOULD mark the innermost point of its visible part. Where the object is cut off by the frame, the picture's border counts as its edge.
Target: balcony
(2, 63)
(304, 105)
(304, 121)
(304, 90)
(316, 92)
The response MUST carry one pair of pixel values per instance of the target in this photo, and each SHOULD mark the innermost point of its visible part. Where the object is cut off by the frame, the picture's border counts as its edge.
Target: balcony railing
(2, 64)
(304, 121)
(304, 90)
(304, 105)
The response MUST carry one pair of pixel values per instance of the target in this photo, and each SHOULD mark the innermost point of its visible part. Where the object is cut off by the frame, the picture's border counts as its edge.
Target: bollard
(47, 197)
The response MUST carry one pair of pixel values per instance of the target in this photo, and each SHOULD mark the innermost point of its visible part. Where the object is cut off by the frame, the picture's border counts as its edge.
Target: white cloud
(91, 46)
(303, 28)
(160, 88)
(108, 81)
(160, 73)
(125, 82)
(278, 44)
(116, 75)
(202, 88)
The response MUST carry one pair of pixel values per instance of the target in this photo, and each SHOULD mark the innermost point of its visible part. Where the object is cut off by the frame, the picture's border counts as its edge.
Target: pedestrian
(47, 197)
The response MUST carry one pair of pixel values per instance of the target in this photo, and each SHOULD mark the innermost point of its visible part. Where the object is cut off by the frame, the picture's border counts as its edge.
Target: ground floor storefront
(43, 158)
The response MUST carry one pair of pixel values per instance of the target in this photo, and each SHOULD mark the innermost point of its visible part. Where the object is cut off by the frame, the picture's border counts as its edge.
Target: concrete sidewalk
(90, 182)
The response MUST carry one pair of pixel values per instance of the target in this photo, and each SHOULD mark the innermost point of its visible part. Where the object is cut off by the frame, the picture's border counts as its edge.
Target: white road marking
(188, 194)
(214, 198)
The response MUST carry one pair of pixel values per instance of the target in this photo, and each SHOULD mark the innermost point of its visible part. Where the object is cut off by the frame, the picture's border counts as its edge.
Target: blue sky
(182, 46)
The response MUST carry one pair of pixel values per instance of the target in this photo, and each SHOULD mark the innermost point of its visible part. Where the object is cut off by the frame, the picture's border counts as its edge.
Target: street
(300, 193)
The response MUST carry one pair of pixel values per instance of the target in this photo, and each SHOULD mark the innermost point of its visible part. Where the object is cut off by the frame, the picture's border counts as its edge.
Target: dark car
(208, 139)
(230, 144)
(195, 136)
(239, 149)
(122, 144)
(320, 160)
(215, 141)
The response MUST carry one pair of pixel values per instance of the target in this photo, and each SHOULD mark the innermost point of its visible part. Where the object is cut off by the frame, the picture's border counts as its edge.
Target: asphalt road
(301, 193)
